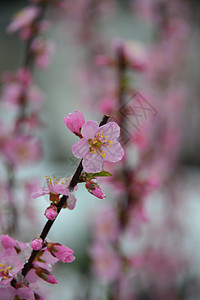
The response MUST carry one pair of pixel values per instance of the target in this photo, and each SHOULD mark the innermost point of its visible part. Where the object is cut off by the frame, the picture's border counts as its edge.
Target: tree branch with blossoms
(74, 181)
(98, 143)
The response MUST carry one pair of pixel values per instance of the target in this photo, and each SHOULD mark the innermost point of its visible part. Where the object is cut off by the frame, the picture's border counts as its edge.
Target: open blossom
(98, 144)
(55, 188)
(23, 18)
(74, 122)
(62, 252)
(22, 149)
(10, 265)
(18, 87)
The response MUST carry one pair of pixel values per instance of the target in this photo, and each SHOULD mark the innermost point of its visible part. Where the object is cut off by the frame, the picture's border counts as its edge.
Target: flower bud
(46, 275)
(74, 122)
(51, 212)
(62, 252)
(94, 189)
(36, 244)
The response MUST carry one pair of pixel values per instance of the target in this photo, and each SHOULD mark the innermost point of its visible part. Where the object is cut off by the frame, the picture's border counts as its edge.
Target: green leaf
(99, 174)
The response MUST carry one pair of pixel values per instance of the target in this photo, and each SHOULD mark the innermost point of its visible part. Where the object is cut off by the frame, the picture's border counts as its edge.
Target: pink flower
(22, 149)
(74, 122)
(21, 293)
(106, 224)
(63, 253)
(36, 244)
(94, 189)
(103, 60)
(23, 18)
(10, 265)
(106, 262)
(51, 212)
(98, 144)
(11, 93)
(18, 88)
(107, 105)
(42, 51)
(54, 188)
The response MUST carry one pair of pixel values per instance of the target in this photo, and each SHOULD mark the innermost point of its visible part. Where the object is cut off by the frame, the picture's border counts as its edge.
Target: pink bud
(62, 252)
(94, 189)
(7, 242)
(74, 122)
(46, 275)
(36, 244)
(102, 60)
(51, 212)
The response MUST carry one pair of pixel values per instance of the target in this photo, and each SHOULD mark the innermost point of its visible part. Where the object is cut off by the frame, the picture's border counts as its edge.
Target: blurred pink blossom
(106, 262)
(23, 18)
(42, 51)
(22, 149)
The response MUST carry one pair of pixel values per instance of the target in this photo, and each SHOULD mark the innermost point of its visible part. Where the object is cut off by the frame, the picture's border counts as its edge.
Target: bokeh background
(65, 92)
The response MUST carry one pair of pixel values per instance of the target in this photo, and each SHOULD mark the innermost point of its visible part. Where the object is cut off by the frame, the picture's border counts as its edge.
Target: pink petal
(7, 293)
(71, 202)
(81, 148)
(89, 129)
(40, 192)
(92, 162)
(60, 189)
(7, 242)
(113, 153)
(25, 293)
(111, 129)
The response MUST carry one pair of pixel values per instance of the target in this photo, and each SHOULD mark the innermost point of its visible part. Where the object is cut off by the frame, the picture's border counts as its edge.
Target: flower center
(99, 141)
(5, 271)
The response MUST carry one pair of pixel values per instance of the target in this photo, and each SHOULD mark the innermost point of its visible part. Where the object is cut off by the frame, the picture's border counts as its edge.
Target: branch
(60, 205)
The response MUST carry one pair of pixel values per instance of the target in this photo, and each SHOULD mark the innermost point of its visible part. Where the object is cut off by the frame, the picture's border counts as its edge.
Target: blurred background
(68, 86)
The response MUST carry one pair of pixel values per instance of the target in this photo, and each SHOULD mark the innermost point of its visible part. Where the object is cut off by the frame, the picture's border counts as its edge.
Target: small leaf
(99, 174)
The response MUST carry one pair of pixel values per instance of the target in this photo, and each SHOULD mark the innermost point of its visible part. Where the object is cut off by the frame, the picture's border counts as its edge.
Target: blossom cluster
(14, 254)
